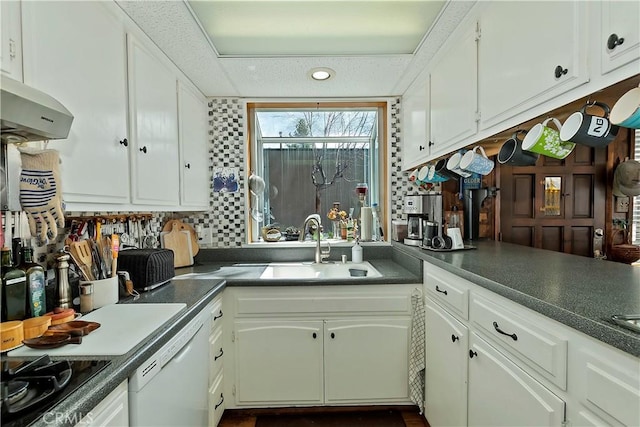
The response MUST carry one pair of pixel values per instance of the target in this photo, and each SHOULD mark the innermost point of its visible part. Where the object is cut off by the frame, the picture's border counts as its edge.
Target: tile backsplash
(227, 145)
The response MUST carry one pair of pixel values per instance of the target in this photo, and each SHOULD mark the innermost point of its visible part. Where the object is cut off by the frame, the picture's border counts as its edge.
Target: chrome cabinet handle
(500, 331)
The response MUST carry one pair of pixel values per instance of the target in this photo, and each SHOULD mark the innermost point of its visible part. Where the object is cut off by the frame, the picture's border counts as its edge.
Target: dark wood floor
(247, 417)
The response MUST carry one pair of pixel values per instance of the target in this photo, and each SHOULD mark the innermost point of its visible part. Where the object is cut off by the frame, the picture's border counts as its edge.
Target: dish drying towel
(417, 351)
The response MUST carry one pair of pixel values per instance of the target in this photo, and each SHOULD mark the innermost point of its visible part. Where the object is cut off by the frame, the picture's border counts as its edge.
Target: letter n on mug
(598, 127)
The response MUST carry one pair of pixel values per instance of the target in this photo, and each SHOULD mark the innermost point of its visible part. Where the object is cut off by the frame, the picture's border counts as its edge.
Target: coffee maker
(424, 214)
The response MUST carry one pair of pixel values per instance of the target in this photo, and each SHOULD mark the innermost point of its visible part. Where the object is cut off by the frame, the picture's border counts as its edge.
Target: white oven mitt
(40, 192)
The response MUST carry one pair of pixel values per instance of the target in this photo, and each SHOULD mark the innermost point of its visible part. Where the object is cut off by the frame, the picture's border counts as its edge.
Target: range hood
(28, 114)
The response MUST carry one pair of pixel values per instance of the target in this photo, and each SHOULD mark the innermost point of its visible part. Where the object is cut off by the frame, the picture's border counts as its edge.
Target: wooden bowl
(35, 326)
(12, 335)
(625, 253)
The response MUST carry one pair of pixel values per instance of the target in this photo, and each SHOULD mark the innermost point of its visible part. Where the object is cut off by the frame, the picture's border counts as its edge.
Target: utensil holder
(105, 291)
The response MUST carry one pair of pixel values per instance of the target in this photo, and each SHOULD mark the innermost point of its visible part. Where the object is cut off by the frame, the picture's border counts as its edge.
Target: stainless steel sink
(631, 322)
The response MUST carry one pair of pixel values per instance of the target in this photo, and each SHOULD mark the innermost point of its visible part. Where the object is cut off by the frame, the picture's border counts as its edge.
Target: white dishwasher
(170, 388)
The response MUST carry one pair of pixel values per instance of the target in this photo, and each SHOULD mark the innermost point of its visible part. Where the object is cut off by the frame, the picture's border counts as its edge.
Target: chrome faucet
(316, 219)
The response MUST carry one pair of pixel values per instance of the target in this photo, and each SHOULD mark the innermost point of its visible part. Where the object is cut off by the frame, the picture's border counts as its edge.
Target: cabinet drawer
(216, 354)
(611, 385)
(216, 401)
(299, 302)
(526, 335)
(448, 289)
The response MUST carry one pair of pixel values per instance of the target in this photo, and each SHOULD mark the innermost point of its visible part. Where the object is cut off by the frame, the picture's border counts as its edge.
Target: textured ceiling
(171, 25)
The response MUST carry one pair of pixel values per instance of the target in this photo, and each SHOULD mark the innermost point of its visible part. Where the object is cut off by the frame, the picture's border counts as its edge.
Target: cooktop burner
(30, 389)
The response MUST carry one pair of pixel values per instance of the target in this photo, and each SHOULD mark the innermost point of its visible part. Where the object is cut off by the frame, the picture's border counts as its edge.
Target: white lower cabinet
(279, 361)
(502, 394)
(216, 362)
(447, 351)
(506, 365)
(112, 411)
(366, 359)
(327, 345)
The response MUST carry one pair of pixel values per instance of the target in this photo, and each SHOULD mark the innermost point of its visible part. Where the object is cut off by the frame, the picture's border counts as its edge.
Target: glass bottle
(36, 303)
(375, 232)
(14, 289)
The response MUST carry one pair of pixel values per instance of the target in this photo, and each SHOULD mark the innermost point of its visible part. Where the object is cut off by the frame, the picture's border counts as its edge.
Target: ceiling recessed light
(321, 73)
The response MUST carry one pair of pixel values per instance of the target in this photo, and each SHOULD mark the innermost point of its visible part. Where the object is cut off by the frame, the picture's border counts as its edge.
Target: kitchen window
(312, 157)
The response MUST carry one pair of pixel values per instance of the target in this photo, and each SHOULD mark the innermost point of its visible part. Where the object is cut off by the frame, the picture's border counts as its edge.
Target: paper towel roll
(366, 220)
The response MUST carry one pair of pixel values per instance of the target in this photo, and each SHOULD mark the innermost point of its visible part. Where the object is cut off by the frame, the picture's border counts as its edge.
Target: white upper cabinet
(153, 115)
(11, 48)
(454, 100)
(620, 36)
(529, 53)
(194, 152)
(415, 124)
(75, 51)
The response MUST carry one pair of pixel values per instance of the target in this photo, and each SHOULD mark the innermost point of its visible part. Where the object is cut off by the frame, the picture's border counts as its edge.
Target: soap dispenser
(356, 252)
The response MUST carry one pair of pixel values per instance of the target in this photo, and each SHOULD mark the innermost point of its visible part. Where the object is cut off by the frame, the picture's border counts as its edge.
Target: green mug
(545, 140)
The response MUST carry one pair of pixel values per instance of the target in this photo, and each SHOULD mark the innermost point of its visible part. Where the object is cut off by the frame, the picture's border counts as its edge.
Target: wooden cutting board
(180, 244)
(185, 227)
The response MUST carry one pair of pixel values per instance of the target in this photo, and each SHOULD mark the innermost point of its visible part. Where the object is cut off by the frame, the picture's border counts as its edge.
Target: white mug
(453, 164)
(456, 238)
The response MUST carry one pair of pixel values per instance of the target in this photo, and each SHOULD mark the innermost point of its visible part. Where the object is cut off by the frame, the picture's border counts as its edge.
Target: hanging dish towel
(416, 352)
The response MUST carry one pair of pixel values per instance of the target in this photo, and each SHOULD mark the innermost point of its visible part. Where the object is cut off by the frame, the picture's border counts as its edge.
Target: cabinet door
(278, 362)
(521, 45)
(366, 359)
(112, 411)
(11, 48)
(153, 109)
(415, 124)
(454, 94)
(75, 51)
(620, 20)
(446, 372)
(194, 152)
(502, 394)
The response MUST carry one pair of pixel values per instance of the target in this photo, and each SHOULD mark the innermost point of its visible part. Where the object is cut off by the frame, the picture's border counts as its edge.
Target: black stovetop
(46, 385)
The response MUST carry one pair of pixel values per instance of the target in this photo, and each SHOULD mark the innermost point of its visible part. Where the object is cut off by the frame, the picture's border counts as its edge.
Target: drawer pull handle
(218, 316)
(218, 356)
(440, 290)
(472, 354)
(500, 331)
(219, 403)
(454, 338)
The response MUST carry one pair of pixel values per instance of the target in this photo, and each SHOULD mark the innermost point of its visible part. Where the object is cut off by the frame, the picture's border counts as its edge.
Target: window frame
(383, 179)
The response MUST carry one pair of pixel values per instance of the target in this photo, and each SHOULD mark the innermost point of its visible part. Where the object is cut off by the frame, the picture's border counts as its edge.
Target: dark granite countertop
(242, 269)
(580, 292)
